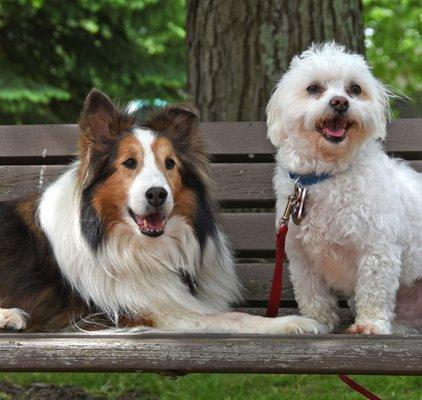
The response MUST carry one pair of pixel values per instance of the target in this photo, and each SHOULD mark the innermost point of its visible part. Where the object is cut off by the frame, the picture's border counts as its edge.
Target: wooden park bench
(32, 156)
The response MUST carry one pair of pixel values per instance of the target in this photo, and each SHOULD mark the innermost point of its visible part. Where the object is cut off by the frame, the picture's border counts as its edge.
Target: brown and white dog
(128, 236)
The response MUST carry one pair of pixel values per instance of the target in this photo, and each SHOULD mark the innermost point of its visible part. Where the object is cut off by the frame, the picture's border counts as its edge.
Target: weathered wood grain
(37, 144)
(405, 137)
(250, 234)
(256, 280)
(244, 184)
(225, 140)
(237, 185)
(184, 353)
(20, 180)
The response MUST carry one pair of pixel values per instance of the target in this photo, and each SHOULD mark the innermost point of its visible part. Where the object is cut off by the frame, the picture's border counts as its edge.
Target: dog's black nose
(339, 103)
(156, 196)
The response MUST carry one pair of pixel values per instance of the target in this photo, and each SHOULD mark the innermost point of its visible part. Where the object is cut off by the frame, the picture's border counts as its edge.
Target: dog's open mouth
(335, 129)
(151, 224)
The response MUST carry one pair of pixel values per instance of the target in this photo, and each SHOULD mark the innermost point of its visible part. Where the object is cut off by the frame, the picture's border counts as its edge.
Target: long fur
(362, 232)
(78, 253)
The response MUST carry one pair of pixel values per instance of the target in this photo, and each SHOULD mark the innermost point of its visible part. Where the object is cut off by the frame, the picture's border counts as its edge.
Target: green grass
(227, 386)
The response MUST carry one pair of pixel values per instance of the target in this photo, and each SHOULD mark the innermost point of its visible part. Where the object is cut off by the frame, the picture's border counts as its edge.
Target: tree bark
(238, 49)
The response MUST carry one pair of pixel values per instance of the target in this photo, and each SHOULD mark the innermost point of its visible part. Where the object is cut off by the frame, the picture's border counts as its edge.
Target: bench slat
(236, 184)
(256, 280)
(183, 353)
(238, 226)
(251, 234)
(228, 141)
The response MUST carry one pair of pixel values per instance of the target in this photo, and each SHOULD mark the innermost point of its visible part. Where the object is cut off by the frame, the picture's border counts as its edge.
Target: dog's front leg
(13, 318)
(235, 322)
(376, 288)
(314, 297)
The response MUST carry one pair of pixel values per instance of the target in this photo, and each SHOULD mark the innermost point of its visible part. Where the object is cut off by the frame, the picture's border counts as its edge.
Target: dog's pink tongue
(335, 128)
(155, 221)
(152, 222)
(334, 132)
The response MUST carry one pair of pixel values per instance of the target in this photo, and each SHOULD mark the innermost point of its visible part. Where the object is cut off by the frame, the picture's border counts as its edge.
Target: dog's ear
(383, 110)
(180, 124)
(97, 116)
(274, 119)
(180, 121)
(101, 123)
(185, 117)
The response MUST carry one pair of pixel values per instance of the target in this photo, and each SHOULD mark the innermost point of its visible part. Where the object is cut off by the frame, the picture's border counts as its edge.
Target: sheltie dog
(127, 237)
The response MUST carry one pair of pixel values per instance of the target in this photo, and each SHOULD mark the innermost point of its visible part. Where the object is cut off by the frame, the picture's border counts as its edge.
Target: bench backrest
(31, 156)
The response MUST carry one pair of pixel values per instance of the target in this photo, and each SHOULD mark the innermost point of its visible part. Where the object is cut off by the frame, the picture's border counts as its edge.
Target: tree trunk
(238, 49)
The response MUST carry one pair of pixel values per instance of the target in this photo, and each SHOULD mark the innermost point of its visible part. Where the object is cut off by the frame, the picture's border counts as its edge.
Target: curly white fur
(362, 232)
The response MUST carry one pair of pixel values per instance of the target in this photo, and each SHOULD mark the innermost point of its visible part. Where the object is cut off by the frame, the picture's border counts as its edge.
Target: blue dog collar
(310, 179)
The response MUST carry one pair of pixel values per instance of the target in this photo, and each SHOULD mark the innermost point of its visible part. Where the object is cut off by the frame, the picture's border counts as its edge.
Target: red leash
(277, 282)
(358, 388)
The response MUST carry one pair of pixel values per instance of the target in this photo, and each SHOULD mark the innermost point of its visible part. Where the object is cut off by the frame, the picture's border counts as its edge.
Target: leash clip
(295, 206)
(299, 212)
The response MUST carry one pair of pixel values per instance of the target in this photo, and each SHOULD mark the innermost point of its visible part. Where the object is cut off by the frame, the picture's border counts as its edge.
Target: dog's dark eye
(355, 90)
(130, 163)
(313, 89)
(170, 163)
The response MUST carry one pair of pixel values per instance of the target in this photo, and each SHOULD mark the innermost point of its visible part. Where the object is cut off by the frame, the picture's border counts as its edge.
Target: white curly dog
(362, 233)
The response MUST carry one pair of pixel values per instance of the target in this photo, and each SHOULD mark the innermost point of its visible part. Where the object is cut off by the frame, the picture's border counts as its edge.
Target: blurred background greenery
(52, 52)
(393, 45)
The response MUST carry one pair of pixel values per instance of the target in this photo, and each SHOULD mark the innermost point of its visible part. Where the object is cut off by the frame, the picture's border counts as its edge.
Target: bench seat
(178, 354)
(31, 156)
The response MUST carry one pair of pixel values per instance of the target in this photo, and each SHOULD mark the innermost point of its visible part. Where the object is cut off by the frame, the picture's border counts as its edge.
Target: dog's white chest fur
(366, 215)
(131, 273)
(328, 238)
(347, 213)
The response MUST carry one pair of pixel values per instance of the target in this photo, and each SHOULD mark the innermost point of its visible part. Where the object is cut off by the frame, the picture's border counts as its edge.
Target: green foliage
(52, 52)
(394, 43)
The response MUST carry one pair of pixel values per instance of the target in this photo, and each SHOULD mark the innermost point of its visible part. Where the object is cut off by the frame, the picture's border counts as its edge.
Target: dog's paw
(293, 325)
(12, 318)
(378, 327)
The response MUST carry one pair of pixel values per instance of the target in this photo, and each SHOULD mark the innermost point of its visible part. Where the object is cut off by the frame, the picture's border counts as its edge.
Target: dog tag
(299, 212)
